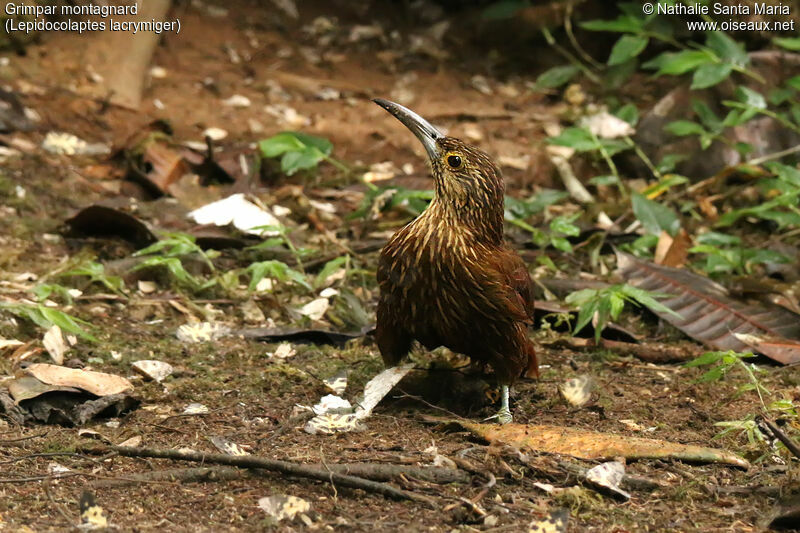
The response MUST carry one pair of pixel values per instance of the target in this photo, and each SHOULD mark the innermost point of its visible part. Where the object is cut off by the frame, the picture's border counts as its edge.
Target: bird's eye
(454, 161)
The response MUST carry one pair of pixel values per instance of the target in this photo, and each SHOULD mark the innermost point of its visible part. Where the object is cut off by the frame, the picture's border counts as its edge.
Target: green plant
(274, 269)
(46, 317)
(608, 303)
(298, 151)
(281, 239)
(168, 252)
(96, 273)
(726, 254)
(377, 199)
(559, 229)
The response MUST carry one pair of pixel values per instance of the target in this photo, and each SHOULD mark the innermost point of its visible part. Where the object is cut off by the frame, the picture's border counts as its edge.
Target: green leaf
(750, 97)
(707, 358)
(330, 267)
(606, 180)
(576, 138)
(789, 43)
(628, 113)
(664, 184)
(670, 161)
(274, 269)
(561, 243)
(794, 83)
(556, 76)
(677, 63)
(682, 128)
(622, 24)
(279, 144)
(564, 224)
(727, 48)
(654, 217)
(718, 239)
(308, 157)
(710, 74)
(626, 48)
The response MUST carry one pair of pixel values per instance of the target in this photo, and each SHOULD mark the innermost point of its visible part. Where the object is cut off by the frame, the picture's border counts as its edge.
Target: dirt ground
(249, 395)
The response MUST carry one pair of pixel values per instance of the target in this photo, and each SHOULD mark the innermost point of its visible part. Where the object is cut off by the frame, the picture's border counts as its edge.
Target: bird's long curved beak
(424, 130)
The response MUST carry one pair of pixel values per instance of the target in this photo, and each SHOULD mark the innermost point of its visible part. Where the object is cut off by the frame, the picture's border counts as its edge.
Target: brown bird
(448, 278)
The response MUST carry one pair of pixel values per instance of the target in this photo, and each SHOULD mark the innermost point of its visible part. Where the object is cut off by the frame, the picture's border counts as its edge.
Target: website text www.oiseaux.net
(730, 9)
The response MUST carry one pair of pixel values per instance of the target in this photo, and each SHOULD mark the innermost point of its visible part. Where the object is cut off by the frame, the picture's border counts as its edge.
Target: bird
(448, 278)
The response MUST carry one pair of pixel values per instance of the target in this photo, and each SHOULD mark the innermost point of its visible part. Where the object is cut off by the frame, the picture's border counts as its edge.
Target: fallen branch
(374, 472)
(261, 463)
(650, 352)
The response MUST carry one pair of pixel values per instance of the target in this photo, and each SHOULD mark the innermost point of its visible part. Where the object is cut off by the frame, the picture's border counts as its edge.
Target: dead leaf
(591, 445)
(379, 386)
(784, 351)
(707, 312)
(97, 383)
(577, 391)
(165, 164)
(54, 343)
(227, 446)
(281, 507)
(242, 213)
(155, 370)
(673, 251)
(608, 476)
(100, 220)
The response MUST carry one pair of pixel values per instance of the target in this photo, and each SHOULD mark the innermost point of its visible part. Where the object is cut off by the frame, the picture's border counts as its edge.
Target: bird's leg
(504, 414)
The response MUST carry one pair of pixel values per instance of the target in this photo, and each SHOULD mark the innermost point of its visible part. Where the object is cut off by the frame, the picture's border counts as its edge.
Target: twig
(12, 442)
(249, 461)
(775, 155)
(58, 506)
(650, 352)
(778, 433)
(183, 475)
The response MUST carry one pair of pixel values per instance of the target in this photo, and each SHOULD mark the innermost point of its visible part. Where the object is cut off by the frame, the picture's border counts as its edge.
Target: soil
(251, 397)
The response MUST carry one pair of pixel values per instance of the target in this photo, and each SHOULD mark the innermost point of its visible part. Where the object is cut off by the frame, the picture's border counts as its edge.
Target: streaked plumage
(448, 278)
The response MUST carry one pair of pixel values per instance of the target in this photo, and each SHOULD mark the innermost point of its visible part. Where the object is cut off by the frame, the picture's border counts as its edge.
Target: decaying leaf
(673, 251)
(784, 351)
(555, 523)
(592, 445)
(331, 423)
(243, 214)
(281, 507)
(97, 383)
(379, 386)
(332, 404)
(707, 312)
(151, 369)
(337, 383)
(100, 220)
(608, 476)
(195, 409)
(55, 345)
(577, 391)
(315, 309)
(202, 332)
(227, 446)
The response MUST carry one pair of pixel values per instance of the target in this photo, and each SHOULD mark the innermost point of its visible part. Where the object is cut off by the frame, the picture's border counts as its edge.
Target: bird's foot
(504, 416)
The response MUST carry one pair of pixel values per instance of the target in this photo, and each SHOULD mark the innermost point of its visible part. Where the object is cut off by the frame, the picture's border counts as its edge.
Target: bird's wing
(516, 275)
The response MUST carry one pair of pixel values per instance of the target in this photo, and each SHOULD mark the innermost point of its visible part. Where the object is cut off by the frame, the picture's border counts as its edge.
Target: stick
(273, 465)
(781, 436)
(650, 352)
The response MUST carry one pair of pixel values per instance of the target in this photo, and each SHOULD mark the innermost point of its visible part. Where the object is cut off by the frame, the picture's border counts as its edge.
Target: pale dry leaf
(155, 370)
(53, 342)
(608, 475)
(332, 404)
(331, 423)
(379, 386)
(97, 383)
(227, 446)
(237, 210)
(315, 309)
(577, 391)
(281, 507)
(606, 126)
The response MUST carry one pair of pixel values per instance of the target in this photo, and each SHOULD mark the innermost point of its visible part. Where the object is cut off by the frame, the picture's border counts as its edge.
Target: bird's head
(469, 186)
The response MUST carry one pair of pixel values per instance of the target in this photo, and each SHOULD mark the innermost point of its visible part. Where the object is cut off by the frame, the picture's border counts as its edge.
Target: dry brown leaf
(707, 312)
(673, 251)
(97, 383)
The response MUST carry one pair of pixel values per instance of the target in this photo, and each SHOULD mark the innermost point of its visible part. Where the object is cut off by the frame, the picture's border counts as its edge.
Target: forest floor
(250, 393)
